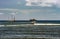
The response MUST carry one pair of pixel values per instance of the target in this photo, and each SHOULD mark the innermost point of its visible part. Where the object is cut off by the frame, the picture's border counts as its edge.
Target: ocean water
(30, 31)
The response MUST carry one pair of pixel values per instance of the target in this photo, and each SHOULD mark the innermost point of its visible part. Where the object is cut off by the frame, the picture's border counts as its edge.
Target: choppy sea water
(30, 32)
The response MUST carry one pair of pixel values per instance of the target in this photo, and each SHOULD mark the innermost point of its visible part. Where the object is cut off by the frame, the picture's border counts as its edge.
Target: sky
(29, 9)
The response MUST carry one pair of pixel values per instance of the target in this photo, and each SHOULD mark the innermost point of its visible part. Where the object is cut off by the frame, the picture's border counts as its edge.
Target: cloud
(8, 9)
(26, 11)
(1, 13)
(35, 11)
(31, 13)
(42, 3)
(58, 3)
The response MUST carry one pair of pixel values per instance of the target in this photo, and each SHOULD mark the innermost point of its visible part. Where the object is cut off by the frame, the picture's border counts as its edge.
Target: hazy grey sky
(27, 9)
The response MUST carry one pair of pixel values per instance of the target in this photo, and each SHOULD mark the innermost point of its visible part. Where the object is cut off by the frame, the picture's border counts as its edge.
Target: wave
(45, 24)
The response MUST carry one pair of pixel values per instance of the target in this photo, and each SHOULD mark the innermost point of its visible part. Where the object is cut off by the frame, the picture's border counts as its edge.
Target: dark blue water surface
(52, 31)
(47, 31)
(28, 21)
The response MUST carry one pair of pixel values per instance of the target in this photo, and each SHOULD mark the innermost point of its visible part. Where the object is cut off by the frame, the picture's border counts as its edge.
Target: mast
(13, 16)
